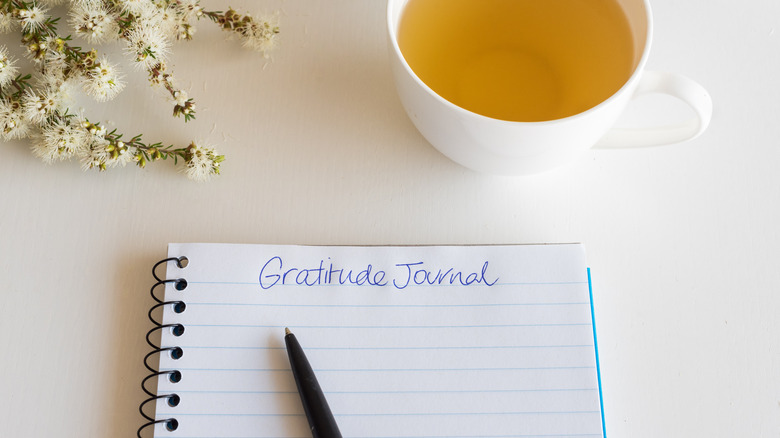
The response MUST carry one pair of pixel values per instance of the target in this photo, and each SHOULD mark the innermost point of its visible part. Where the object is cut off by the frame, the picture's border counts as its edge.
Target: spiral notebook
(406, 341)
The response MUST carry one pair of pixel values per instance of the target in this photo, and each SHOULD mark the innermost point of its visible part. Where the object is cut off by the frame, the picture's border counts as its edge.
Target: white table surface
(682, 240)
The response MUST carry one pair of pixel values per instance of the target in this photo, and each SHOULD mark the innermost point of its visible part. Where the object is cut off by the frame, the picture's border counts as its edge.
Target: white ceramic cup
(515, 148)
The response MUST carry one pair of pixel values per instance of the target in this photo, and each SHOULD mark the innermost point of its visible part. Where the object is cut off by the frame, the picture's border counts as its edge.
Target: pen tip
(287, 331)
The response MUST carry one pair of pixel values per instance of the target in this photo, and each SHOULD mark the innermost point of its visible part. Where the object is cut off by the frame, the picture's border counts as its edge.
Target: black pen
(321, 420)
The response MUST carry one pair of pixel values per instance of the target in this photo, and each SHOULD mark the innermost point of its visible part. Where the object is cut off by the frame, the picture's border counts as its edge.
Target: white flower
(12, 121)
(202, 162)
(92, 21)
(190, 9)
(86, 3)
(126, 155)
(184, 11)
(7, 22)
(143, 8)
(53, 79)
(182, 30)
(102, 81)
(97, 132)
(180, 97)
(260, 35)
(33, 18)
(185, 32)
(8, 70)
(50, 62)
(167, 22)
(38, 107)
(147, 45)
(60, 140)
(102, 154)
(95, 155)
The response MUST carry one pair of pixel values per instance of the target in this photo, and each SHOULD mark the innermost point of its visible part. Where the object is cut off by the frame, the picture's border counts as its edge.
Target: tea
(520, 60)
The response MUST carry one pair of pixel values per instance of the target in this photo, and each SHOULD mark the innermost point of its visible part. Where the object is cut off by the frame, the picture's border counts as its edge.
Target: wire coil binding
(174, 376)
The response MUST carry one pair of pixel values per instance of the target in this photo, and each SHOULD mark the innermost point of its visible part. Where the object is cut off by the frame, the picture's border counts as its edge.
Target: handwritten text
(275, 272)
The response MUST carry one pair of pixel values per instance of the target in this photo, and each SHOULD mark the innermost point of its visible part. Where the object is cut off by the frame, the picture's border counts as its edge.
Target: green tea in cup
(519, 60)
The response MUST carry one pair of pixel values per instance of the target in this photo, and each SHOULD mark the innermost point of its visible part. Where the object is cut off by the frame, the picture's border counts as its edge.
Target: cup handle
(674, 85)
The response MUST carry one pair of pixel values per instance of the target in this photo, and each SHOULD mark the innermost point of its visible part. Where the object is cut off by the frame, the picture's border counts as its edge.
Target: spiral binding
(174, 376)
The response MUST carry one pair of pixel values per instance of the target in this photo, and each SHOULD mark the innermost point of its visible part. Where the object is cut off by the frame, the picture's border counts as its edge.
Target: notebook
(406, 341)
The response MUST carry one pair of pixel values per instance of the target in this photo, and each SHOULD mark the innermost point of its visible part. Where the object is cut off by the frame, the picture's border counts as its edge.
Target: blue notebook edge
(596, 349)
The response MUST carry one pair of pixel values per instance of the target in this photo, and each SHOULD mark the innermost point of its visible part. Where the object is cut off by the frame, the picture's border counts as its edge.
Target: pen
(321, 421)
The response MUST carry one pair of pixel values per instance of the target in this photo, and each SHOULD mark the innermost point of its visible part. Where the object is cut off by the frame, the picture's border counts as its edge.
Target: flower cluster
(36, 105)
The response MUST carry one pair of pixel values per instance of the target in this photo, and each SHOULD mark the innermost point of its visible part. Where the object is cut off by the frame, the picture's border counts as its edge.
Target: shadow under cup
(497, 146)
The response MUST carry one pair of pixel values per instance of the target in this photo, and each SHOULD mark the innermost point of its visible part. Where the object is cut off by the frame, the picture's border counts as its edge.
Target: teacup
(497, 146)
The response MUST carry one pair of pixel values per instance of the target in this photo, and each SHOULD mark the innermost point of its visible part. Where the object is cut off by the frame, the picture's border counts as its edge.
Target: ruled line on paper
(465, 391)
(425, 285)
(369, 306)
(557, 435)
(388, 327)
(433, 347)
(378, 414)
(449, 414)
(349, 370)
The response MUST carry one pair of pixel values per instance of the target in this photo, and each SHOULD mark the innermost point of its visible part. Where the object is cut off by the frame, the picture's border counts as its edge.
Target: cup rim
(634, 78)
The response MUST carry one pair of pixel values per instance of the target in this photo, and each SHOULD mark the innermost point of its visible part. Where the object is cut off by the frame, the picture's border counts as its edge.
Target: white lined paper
(509, 354)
